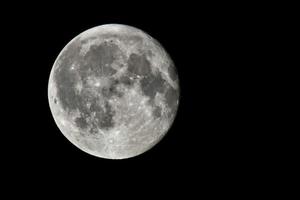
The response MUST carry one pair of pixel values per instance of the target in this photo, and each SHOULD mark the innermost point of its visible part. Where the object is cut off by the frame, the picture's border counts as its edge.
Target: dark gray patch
(150, 53)
(104, 117)
(93, 128)
(152, 84)
(55, 101)
(100, 57)
(81, 122)
(84, 110)
(84, 71)
(86, 40)
(172, 72)
(107, 92)
(125, 79)
(95, 107)
(138, 64)
(157, 112)
(65, 81)
(172, 96)
(106, 120)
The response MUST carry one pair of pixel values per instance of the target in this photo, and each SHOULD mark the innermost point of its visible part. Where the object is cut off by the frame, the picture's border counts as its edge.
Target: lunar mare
(114, 91)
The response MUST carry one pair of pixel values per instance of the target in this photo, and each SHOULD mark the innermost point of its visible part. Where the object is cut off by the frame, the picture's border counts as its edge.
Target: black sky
(210, 135)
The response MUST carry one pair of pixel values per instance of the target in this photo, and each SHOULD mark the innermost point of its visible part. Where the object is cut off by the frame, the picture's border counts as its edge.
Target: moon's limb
(134, 84)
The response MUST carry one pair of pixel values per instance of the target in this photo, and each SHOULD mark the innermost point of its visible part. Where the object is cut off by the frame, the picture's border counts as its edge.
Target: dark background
(211, 140)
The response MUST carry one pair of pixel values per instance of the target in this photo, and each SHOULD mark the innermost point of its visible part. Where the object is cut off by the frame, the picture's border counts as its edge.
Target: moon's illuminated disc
(113, 91)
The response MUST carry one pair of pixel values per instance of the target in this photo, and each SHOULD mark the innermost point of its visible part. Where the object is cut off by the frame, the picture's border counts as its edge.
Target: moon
(114, 91)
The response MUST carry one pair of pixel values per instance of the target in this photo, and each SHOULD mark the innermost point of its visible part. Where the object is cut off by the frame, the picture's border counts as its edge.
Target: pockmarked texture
(113, 91)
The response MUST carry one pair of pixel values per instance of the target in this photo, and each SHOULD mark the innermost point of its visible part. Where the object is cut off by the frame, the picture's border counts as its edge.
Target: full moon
(114, 91)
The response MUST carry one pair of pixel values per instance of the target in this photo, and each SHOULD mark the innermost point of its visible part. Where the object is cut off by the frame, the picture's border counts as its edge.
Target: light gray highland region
(113, 91)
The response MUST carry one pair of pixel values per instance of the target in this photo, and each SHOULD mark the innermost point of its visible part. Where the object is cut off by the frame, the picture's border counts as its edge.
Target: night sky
(210, 140)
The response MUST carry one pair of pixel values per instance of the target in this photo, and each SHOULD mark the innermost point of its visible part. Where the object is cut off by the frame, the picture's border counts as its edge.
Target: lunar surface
(114, 91)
